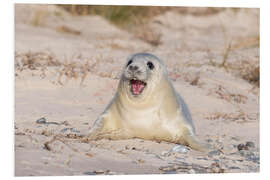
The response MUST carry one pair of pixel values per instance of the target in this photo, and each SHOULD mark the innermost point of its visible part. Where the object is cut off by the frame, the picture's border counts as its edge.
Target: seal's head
(141, 74)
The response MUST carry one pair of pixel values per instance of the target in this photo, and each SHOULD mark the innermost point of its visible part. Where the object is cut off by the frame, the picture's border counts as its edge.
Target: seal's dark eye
(150, 65)
(129, 62)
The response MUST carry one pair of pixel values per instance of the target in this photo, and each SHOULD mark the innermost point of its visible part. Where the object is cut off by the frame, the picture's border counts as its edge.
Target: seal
(146, 106)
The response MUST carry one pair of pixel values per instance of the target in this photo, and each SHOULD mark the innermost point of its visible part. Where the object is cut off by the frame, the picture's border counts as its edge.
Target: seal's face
(136, 74)
(141, 73)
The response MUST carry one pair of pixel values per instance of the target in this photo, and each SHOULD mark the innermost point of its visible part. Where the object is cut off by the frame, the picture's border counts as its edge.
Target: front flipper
(98, 129)
(107, 126)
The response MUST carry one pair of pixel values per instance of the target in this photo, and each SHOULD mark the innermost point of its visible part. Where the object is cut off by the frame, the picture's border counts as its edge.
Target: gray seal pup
(146, 106)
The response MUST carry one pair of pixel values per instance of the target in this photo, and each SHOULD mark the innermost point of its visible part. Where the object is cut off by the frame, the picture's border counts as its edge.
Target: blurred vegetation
(119, 15)
(132, 15)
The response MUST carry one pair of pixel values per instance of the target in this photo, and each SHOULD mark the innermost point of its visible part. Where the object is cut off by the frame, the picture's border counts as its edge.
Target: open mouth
(137, 86)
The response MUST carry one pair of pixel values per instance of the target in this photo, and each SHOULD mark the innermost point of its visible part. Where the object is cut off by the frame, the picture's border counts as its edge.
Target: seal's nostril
(133, 68)
(136, 68)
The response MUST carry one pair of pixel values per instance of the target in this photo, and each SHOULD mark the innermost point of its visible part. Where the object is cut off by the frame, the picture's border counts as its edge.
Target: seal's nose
(133, 67)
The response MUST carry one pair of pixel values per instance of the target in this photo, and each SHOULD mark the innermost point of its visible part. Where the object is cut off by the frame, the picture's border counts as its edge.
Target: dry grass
(216, 168)
(199, 11)
(69, 70)
(251, 73)
(75, 68)
(119, 15)
(72, 70)
(193, 79)
(61, 139)
(79, 69)
(184, 167)
(247, 42)
(65, 29)
(226, 52)
(246, 69)
(222, 93)
(225, 56)
(135, 18)
(33, 60)
(239, 116)
(39, 17)
(122, 14)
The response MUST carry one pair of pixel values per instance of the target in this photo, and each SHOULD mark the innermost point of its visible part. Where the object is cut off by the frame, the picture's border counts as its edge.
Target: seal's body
(146, 106)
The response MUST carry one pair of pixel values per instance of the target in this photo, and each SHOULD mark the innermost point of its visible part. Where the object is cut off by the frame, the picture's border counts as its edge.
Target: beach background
(68, 60)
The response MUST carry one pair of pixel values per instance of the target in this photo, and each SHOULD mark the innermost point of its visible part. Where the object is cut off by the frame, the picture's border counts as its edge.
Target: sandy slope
(224, 106)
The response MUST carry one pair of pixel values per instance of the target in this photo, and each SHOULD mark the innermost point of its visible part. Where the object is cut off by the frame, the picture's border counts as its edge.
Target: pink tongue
(137, 87)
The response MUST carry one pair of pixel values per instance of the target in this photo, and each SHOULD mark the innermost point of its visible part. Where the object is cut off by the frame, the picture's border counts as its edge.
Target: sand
(67, 70)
